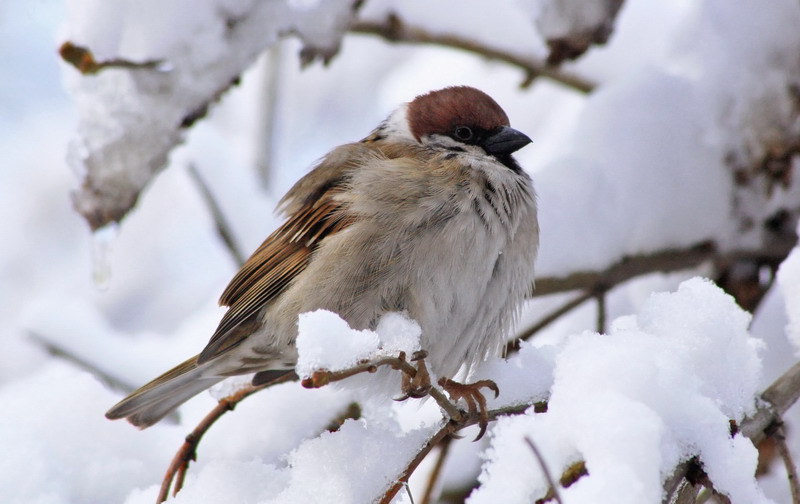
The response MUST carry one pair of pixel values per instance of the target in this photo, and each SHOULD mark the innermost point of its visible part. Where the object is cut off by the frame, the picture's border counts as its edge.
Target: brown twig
(545, 470)
(83, 59)
(270, 90)
(594, 284)
(221, 223)
(323, 377)
(444, 449)
(447, 429)
(188, 451)
(61, 352)
(776, 399)
(514, 345)
(394, 29)
(601, 312)
(791, 469)
(664, 261)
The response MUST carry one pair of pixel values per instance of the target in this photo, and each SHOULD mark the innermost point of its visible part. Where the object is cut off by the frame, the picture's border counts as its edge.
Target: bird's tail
(156, 399)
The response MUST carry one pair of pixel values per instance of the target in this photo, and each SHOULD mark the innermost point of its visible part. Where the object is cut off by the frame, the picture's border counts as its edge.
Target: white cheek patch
(396, 125)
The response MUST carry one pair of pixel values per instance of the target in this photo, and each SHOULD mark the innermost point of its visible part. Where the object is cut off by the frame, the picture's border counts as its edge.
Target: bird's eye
(463, 133)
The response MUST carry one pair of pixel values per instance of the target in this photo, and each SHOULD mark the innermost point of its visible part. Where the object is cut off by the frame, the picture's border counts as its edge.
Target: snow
(687, 91)
(661, 393)
(58, 448)
(135, 118)
(325, 341)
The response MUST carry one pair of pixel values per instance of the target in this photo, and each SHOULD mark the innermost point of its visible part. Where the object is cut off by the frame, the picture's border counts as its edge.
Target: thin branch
(188, 451)
(776, 399)
(84, 61)
(448, 429)
(545, 470)
(265, 130)
(601, 312)
(444, 449)
(791, 469)
(663, 261)
(62, 353)
(221, 223)
(323, 377)
(394, 29)
(514, 345)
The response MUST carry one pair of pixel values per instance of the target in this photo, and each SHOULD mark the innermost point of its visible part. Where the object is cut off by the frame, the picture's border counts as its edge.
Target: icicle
(101, 255)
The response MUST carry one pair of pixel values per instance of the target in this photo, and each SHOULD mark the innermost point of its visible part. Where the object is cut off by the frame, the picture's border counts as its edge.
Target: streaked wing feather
(282, 256)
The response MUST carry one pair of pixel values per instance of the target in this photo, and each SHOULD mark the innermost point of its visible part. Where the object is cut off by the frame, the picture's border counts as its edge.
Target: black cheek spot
(451, 155)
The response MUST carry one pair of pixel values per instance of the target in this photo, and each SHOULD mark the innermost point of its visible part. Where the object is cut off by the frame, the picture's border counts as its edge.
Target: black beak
(505, 140)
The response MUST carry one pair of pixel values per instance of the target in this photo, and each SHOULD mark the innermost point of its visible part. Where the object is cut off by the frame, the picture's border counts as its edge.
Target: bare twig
(444, 449)
(188, 451)
(323, 377)
(664, 261)
(270, 90)
(776, 399)
(791, 469)
(61, 352)
(545, 470)
(447, 429)
(601, 312)
(83, 60)
(394, 29)
(513, 345)
(408, 492)
(223, 228)
(594, 284)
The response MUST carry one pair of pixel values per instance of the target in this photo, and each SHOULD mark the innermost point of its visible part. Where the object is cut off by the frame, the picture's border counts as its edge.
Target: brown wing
(314, 214)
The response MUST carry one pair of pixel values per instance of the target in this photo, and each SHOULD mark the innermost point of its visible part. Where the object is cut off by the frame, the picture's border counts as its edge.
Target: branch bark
(394, 29)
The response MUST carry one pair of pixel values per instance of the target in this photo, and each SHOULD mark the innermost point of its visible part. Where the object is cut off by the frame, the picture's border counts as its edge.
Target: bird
(429, 215)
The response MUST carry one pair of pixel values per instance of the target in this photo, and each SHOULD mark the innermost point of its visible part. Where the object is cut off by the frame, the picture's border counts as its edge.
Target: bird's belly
(459, 324)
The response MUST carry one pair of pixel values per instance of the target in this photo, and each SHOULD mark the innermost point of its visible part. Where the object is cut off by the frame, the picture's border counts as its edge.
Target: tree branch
(448, 429)
(394, 29)
(84, 61)
(188, 451)
(664, 261)
(61, 352)
(323, 377)
(791, 469)
(437, 470)
(223, 228)
(553, 488)
(776, 399)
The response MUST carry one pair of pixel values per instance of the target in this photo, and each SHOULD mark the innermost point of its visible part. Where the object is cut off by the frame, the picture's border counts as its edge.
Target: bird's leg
(472, 395)
(419, 385)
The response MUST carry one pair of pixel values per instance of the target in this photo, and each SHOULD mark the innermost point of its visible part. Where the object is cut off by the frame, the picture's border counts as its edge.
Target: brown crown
(441, 111)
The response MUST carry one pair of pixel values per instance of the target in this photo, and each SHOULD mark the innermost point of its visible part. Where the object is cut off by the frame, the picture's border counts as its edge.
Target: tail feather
(157, 399)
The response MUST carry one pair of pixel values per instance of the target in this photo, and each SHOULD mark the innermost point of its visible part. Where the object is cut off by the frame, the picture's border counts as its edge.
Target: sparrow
(428, 215)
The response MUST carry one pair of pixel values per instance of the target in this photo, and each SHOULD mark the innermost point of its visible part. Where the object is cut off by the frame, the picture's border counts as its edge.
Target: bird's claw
(472, 395)
(419, 385)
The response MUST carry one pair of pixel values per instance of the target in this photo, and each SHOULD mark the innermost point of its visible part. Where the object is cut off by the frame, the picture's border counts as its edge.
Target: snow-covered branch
(133, 115)
(394, 29)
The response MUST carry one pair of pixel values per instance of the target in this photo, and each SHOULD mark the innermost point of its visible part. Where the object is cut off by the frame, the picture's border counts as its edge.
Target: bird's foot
(419, 385)
(472, 395)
